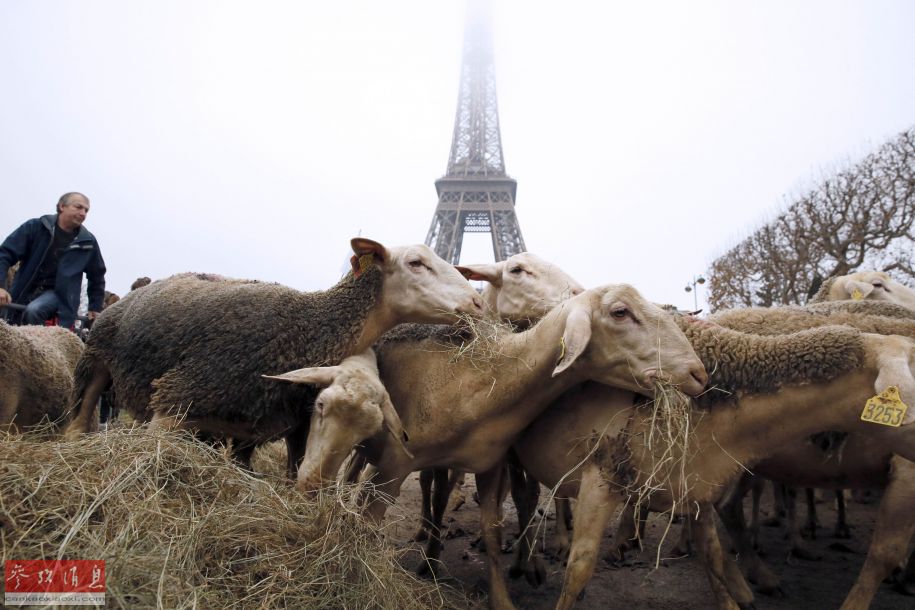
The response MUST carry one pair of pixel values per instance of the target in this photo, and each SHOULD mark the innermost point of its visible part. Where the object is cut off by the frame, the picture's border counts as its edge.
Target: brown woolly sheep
(190, 350)
(36, 373)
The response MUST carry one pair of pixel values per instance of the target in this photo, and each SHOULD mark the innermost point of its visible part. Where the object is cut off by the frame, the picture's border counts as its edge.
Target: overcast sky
(254, 139)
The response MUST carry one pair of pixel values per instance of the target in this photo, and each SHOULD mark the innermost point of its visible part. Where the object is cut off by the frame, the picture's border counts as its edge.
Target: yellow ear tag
(365, 261)
(886, 408)
(857, 295)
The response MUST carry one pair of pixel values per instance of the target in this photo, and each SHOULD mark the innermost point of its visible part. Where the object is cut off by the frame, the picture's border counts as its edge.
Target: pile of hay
(180, 526)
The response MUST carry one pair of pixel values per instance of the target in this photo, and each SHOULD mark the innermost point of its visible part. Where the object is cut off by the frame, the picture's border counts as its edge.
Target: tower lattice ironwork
(475, 195)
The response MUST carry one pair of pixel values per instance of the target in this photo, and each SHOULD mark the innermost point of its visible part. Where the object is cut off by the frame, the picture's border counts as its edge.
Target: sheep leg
(563, 533)
(684, 545)
(628, 533)
(440, 494)
(843, 530)
(757, 485)
(712, 556)
(242, 452)
(906, 580)
(295, 448)
(488, 484)
(525, 493)
(893, 529)
(457, 498)
(810, 528)
(85, 419)
(779, 510)
(593, 511)
(426, 478)
(796, 545)
(380, 492)
(356, 464)
(731, 513)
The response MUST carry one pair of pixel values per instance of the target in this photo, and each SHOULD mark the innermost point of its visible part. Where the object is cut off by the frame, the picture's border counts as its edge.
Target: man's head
(72, 209)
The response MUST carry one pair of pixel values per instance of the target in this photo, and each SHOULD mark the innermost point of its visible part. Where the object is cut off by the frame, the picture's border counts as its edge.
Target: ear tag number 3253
(885, 408)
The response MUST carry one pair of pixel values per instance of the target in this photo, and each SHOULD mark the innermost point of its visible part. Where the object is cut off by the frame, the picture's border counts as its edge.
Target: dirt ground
(677, 584)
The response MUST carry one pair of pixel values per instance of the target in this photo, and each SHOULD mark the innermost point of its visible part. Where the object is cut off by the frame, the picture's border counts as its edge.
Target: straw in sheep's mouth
(665, 442)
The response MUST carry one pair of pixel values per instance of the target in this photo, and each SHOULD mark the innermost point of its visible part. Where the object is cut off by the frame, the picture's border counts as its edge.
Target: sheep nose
(700, 375)
(577, 291)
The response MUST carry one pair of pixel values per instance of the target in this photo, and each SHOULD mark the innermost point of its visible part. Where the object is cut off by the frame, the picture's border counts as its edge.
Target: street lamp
(691, 287)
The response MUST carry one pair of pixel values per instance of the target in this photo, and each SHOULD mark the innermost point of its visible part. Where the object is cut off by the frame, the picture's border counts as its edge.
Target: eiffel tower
(475, 195)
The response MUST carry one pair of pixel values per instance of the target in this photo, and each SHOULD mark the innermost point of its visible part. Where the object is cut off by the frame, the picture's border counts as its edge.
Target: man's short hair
(65, 199)
(140, 282)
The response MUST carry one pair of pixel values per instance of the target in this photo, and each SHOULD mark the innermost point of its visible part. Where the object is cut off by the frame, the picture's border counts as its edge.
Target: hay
(180, 526)
(666, 435)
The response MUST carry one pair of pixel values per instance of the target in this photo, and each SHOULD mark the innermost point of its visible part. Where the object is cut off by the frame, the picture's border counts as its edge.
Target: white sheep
(465, 414)
(353, 406)
(873, 285)
(819, 377)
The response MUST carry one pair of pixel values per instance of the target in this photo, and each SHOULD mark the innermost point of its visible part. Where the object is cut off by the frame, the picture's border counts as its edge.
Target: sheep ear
(366, 253)
(575, 338)
(317, 375)
(858, 290)
(393, 425)
(491, 272)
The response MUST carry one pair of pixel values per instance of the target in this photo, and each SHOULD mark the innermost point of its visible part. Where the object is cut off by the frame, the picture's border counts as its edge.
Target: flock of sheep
(560, 381)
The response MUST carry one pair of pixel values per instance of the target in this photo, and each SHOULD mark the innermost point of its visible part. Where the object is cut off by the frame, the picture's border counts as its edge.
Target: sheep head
(523, 287)
(352, 407)
(627, 342)
(419, 286)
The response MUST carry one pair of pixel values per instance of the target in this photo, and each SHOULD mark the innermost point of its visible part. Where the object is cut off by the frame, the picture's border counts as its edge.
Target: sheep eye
(416, 264)
(516, 270)
(619, 313)
(878, 285)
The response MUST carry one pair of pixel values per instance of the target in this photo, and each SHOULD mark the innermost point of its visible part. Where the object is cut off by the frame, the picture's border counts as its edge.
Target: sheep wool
(866, 316)
(36, 373)
(740, 363)
(198, 344)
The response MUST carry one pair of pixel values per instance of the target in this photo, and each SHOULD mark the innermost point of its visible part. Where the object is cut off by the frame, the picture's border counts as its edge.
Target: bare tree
(860, 218)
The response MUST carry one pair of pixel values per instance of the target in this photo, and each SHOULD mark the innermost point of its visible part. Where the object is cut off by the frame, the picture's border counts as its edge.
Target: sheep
(523, 288)
(885, 550)
(862, 463)
(519, 290)
(352, 406)
(608, 334)
(815, 377)
(36, 374)
(188, 351)
(873, 285)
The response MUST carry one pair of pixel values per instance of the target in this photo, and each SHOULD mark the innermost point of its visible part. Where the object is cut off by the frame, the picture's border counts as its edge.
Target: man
(54, 251)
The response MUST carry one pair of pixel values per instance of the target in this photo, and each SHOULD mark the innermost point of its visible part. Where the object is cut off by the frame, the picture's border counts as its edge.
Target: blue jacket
(30, 243)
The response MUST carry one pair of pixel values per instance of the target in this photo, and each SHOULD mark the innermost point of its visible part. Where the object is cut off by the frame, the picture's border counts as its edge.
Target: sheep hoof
(421, 535)
(842, 531)
(429, 568)
(536, 572)
(802, 553)
(906, 588)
